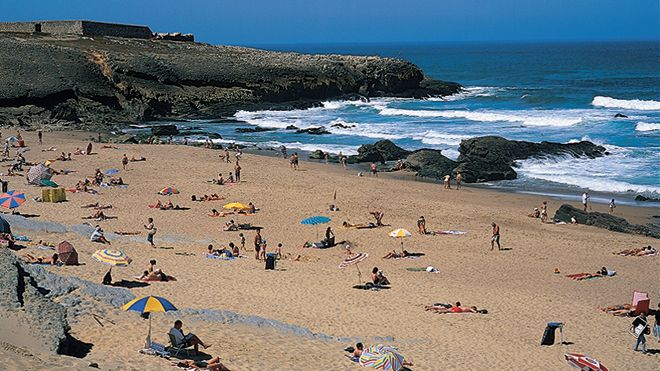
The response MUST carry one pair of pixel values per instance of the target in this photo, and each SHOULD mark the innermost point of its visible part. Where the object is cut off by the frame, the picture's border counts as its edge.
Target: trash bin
(270, 261)
(549, 333)
(5, 185)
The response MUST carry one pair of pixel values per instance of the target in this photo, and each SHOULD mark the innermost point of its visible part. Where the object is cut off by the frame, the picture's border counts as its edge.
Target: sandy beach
(301, 315)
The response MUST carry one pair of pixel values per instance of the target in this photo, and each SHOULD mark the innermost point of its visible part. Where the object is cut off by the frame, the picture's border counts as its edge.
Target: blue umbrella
(149, 304)
(316, 220)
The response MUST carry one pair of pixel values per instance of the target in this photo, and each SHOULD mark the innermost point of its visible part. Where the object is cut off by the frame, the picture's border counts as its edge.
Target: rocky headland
(90, 83)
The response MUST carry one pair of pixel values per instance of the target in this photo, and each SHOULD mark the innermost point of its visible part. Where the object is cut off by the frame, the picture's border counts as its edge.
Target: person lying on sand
(99, 216)
(619, 310)
(116, 181)
(49, 149)
(641, 251)
(305, 258)
(108, 146)
(168, 205)
(456, 308)
(98, 236)
(359, 349)
(215, 214)
(157, 205)
(603, 272)
(53, 260)
(359, 225)
(378, 278)
(230, 226)
(78, 152)
(134, 159)
(395, 255)
(213, 364)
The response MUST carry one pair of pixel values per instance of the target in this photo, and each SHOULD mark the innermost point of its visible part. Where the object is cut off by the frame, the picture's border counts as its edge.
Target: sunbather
(41, 260)
(395, 255)
(212, 364)
(535, 214)
(359, 225)
(456, 308)
(189, 339)
(214, 213)
(134, 159)
(378, 278)
(378, 215)
(230, 226)
(641, 251)
(157, 205)
(95, 204)
(98, 236)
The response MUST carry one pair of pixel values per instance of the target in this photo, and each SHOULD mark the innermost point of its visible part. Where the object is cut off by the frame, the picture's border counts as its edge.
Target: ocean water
(534, 92)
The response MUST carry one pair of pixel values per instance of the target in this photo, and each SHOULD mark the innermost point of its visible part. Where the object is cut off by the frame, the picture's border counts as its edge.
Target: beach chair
(159, 349)
(178, 348)
(641, 302)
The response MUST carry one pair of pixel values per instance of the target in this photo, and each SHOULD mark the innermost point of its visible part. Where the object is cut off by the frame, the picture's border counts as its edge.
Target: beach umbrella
(584, 362)
(111, 171)
(316, 220)
(38, 173)
(354, 260)
(168, 191)
(235, 206)
(112, 257)
(67, 253)
(382, 357)
(12, 199)
(401, 234)
(149, 304)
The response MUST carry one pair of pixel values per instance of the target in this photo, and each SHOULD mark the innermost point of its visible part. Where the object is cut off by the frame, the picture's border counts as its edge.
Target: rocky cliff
(87, 82)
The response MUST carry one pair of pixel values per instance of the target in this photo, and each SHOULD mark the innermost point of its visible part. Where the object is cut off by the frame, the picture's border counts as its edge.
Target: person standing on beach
(495, 237)
(237, 172)
(124, 162)
(283, 150)
(342, 159)
(459, 179)
(151, 231)
(242, 237)
(257, 244)
(262, 251)
(447, 181)
(585, 200)
(544, 212)
(374, 169)
(641, 328)
(421, 225)
(612, 206)
(294, 161)
(40, 136)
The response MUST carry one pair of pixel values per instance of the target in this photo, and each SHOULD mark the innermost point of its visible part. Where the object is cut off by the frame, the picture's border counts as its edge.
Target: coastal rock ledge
(87, 82)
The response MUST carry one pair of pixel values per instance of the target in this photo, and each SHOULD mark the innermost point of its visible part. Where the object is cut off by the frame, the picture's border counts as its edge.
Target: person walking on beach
(544, 212)
(421, 225)
(656, 314)
(294, 161)
(257, 244)
(151, 231)
(124, 162)
(237, 172)
(495, 237)
(459, 179)
(374, 169)
(612, 206)
(283, 150)
(447, 181)
(641, 328)
(40, 136)
(342, 159)
(585, 200)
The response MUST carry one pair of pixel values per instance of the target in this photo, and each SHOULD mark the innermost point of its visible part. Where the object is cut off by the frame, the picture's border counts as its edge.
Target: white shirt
(585, 197)
(178, 335)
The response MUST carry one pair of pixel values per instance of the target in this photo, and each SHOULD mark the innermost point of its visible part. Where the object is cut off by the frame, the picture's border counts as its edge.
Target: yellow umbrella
(236, 206)
(149, 304)
(400, 233)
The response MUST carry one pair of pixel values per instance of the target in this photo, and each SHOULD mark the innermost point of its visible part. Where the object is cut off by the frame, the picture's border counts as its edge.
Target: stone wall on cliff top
(89, 82)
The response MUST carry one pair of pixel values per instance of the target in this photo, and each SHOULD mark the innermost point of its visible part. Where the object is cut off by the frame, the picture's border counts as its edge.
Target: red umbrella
(584, 362)
(354, 260)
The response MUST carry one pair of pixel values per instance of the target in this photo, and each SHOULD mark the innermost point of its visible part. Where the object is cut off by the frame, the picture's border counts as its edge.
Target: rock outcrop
(430, 163)
(492, 158)
(603, 220)
(72, 80)
(379, 152)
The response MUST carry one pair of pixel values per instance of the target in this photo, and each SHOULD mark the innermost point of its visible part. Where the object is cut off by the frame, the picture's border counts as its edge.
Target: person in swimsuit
(378, 278)
(544, 212)
(421, 225)
(374, 169)
(495, 238)
(447, 181)
(459, 179)
(257, 244)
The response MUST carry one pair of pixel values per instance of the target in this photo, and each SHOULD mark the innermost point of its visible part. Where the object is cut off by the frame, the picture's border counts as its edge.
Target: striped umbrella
(12, 199)
(316, 220)
(584, 362)
(354, 260)
(382, 357)
(400, 233)
(149, 304)
(112, 257)
(168, 191)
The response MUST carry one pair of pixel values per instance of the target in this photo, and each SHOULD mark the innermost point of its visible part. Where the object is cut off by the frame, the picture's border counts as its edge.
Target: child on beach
(278, 251)
(242, 240)
(124, 162)
(544, 212)
(262, 252)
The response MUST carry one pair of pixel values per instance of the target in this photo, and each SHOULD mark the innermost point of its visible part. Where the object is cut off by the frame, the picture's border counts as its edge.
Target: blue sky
(259, 22)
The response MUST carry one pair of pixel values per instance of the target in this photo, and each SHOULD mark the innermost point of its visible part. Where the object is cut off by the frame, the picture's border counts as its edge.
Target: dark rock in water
(317, 155)
(292, 127)
(492, 157)
(164, 130)
(645, 199)
(214, 136)
(603, 220)
(429, 163)
(102, 81)
(256, 129)
(620, 115)
(313, 131)
(381, 151)
(340, 125)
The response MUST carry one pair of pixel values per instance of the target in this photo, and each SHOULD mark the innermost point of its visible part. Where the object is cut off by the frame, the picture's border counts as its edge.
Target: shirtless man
(374, 169)
(459, 179)
(124, 162)
(495, 237)
(421, 225)
(447, 181)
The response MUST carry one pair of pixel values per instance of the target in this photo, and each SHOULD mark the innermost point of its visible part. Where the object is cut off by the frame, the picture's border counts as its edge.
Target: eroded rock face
(91, 82)
(603, 220)
(492, 158)
(429, 163)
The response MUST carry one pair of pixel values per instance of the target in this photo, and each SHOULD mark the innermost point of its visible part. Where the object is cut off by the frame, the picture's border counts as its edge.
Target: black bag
(270, 262)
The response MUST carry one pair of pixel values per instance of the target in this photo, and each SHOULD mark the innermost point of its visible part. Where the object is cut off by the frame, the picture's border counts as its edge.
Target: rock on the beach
(492, 158)
(603, 220)
(256, 129)
(430, 163)
(313, 131)
(164, 130)
(646, 199)
(381, 151)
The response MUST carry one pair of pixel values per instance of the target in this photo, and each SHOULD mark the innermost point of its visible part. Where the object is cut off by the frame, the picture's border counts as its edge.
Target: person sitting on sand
(251, 208)
(535, 214)
(53, 260)
(234, 250)
(214, 213)
(157, 205)
(187, 340)
(98, 177)
(170, 206)
(78, 151)
(220, 180)
(98, 236)
(215, 252)
(212, 364)
(378, 215)
(329, 237)
(359, 348)
(378, 278)
(230, 226)
(116, 181)
(421, 225)
(230, 178)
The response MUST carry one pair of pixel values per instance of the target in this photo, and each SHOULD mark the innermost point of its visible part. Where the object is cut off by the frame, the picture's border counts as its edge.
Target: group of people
(447, 180)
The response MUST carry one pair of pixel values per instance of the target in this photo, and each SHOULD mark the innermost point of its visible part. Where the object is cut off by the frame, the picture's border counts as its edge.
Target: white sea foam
(526, 118)
(363, 130)
(631, 104)
(647, 126)
(433, 137)
(325, 147)
(470, 92)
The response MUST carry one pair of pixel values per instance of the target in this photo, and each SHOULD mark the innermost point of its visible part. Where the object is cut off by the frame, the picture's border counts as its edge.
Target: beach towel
(449, 231)
(22, 238)
(213, 256)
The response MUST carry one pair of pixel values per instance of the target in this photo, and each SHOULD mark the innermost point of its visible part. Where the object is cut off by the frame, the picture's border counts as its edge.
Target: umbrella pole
(148, 344)
(359, 274)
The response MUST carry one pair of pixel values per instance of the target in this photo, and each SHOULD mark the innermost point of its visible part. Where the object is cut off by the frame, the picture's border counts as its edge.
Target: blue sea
(534, 92)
